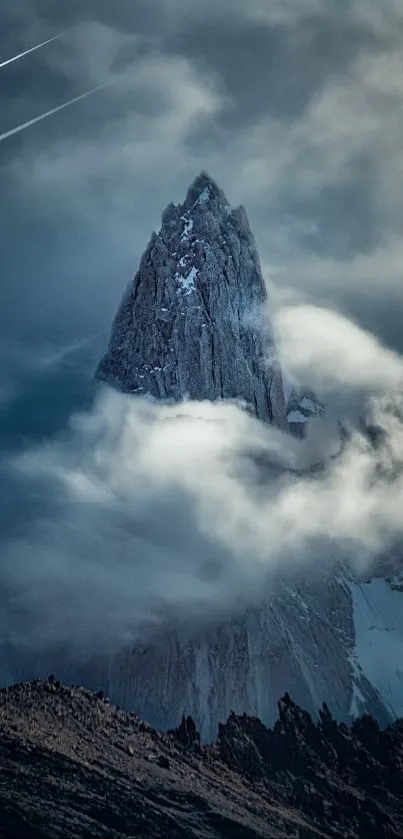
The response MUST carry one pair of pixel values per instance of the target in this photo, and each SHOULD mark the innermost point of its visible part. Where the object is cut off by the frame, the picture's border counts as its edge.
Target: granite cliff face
(326, 639)
(193, 322)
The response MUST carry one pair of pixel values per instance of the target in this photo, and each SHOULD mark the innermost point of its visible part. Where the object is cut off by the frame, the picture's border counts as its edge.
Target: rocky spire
(193, 323)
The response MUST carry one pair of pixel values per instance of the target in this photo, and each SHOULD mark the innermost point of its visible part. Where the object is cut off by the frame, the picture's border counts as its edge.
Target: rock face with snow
(327, 639)
(300, 407)
(193, 322)
(330, 639)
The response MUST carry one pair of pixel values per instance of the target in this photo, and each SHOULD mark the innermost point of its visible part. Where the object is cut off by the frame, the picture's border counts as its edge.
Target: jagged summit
(205, 187)
(193, 324)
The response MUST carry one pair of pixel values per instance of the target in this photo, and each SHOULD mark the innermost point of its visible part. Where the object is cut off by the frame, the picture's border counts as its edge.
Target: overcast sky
(293, 106)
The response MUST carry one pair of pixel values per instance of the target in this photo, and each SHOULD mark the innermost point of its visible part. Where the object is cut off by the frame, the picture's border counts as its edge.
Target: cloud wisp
(324, 348)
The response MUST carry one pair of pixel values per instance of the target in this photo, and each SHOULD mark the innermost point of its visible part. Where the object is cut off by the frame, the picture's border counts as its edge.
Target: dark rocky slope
(72, 765)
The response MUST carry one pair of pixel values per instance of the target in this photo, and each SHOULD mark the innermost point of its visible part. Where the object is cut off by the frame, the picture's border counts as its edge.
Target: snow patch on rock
(204, 195)
(296, 416)
(187, 283)
(188, 227)
(310, 405)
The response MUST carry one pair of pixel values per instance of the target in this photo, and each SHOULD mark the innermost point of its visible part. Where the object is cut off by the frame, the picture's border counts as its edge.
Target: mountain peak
(204, 189)
(194, 322)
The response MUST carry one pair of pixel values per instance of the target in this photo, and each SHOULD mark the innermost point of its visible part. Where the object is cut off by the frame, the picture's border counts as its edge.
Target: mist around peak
(143, 511)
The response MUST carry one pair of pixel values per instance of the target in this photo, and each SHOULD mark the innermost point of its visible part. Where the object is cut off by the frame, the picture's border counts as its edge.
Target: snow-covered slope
(193, 322)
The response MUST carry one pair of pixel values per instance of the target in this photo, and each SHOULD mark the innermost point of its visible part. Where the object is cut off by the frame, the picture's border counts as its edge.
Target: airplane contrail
(32, 49)
(30, 122)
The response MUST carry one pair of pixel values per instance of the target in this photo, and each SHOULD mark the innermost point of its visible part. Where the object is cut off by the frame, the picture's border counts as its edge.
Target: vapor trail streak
(64, 352)
(30, 122)
(32, 49)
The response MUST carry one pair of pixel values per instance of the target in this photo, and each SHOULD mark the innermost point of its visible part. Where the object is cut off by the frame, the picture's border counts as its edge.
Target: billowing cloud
(326, 349)
(148, 510)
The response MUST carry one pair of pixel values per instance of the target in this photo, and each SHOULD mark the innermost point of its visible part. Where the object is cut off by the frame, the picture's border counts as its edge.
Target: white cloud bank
(148, 508)
(322, 345)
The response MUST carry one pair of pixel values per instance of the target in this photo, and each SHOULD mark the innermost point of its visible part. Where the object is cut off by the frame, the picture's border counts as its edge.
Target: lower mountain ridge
(322, 638)
(330, 639)
(74, 766)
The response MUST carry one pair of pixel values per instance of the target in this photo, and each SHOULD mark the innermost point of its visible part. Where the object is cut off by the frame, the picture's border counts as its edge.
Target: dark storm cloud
(270, 69)
(340, 218)
(22, 17)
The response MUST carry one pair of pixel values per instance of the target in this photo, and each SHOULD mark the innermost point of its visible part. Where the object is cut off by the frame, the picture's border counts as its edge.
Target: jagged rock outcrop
(301, 406)
(187, 733)
(193, 323)
(73, 765)
(341, 777)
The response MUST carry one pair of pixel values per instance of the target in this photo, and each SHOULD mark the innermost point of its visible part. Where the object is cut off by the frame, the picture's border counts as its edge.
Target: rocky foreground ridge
(74, 766)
